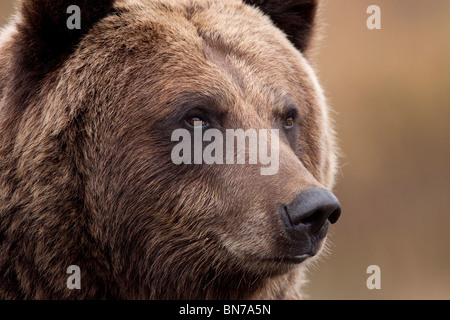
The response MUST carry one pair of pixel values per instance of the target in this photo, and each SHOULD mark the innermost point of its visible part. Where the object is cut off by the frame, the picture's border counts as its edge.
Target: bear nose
(309, 212)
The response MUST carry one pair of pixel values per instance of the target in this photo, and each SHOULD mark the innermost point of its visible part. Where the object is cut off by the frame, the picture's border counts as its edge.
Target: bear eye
(289, 123)
(196, 122)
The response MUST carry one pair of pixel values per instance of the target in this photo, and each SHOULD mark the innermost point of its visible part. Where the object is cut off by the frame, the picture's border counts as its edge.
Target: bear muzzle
(306, 221)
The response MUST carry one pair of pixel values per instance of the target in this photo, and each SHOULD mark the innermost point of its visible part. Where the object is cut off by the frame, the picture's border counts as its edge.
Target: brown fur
(85, 173)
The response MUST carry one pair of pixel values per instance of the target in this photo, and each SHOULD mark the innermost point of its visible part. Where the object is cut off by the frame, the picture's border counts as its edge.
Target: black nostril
(311, 210)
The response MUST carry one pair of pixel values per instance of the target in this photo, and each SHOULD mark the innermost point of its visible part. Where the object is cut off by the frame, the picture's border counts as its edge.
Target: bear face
(88, 177)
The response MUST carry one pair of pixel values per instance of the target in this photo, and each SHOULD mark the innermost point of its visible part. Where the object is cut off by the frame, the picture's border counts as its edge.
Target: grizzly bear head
(87, 173)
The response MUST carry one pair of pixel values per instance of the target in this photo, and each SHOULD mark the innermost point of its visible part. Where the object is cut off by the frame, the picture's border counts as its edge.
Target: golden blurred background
(390, 89)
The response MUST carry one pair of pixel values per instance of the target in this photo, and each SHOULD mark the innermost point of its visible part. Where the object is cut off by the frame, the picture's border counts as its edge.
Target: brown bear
(86, 173)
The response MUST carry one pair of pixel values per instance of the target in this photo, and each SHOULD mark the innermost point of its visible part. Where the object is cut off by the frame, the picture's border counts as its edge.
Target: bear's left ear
(294, 17)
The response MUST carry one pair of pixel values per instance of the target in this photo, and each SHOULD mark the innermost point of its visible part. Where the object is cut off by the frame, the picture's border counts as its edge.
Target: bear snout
(306, 219)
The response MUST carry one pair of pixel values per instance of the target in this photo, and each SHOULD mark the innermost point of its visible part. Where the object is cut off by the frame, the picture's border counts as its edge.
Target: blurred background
(390, 89)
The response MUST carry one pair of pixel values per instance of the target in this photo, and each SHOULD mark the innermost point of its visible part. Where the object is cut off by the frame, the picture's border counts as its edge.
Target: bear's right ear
(43, 27)
(44, 38)
(295, 17)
